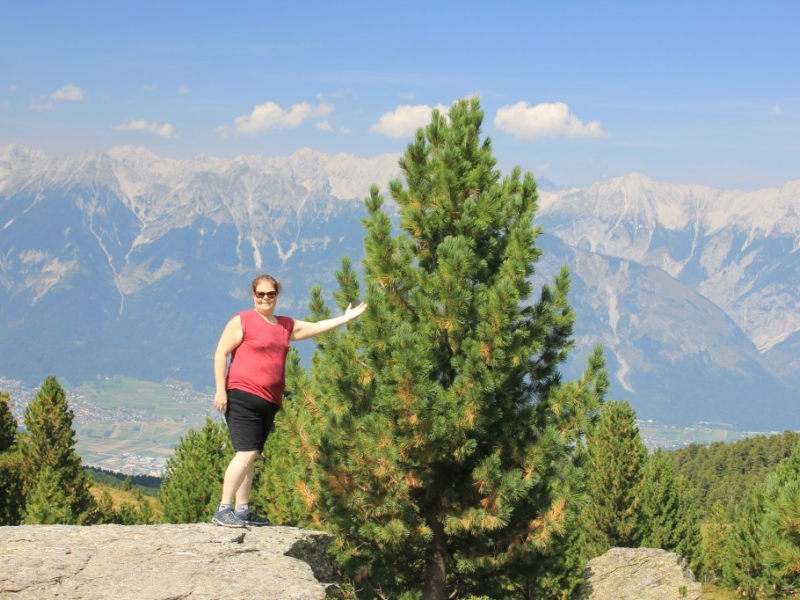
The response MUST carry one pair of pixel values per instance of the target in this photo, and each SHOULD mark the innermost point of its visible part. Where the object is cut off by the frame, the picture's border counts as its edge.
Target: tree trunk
(435, 560)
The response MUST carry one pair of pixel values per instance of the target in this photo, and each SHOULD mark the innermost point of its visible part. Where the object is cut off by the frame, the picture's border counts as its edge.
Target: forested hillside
(726, 473)
(148, 485)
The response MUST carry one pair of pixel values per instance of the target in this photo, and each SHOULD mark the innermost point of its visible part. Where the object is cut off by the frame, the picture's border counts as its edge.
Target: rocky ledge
(639, 574)
(195, 561)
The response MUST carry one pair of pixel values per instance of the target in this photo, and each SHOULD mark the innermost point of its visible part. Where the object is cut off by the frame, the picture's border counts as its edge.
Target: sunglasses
(270, 295)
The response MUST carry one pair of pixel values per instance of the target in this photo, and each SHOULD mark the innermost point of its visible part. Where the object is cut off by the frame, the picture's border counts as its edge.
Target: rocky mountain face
(124, 262)
(694, 291)
(127, 263)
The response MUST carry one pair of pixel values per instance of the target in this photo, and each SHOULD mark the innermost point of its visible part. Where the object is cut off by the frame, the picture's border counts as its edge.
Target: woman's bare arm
(304, 329)
(230, 339)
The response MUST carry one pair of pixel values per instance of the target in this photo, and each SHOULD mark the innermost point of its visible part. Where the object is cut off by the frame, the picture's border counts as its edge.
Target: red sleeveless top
(258, 364)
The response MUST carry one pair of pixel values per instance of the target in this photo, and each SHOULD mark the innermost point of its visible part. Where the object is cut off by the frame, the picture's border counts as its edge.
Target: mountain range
(123, 262)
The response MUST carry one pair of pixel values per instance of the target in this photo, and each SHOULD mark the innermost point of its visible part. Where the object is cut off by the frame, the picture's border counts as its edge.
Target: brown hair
(265, 277)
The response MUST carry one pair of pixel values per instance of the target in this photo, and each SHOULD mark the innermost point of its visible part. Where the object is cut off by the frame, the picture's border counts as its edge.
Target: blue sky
(683, 92)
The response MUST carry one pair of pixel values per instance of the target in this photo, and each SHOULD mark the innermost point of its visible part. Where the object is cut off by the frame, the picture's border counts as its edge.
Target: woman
(250, 390)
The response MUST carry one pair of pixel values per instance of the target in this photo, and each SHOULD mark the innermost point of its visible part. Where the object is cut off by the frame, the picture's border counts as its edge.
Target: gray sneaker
(253, 519)
(226, 518)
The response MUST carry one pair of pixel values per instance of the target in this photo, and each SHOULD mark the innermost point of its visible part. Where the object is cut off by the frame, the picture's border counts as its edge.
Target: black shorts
(249, 418)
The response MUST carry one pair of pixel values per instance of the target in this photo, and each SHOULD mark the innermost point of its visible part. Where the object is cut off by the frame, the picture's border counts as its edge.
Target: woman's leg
(239, 478)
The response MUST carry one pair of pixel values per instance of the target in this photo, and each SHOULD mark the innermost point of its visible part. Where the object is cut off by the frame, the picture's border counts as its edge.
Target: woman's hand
(355, 312)
(221, 401)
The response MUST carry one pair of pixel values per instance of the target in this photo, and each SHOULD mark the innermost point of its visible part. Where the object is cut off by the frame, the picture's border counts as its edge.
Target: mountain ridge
(720, 242)
(688, 299)
(346, 173)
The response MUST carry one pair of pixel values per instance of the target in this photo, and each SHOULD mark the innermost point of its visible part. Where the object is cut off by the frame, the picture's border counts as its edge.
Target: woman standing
(250, 390)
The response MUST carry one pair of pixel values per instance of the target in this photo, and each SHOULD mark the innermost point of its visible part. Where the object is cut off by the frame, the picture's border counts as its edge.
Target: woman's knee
(247, 457)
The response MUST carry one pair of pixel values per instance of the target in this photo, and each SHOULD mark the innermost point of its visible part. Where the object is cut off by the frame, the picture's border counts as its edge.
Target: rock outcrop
(639, 574)
(196, 561)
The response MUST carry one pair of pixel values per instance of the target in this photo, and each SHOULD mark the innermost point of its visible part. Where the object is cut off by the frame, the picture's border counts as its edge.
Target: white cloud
(345, 131)
(543, 120)
(324, 126)
(407, 95)
(183, 90)
(223, 130)
(405, 120)
(13, 88)
(342, 93)
(271, 116)
(149, 88)
(777, 110)
(69, 92)
(165, 130)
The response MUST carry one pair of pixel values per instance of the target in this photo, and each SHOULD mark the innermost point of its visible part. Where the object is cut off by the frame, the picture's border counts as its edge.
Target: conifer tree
(670, 518)
(145, 514)
(716, 532)
(781, 519)
(105, 509)
(194, 474)
(48, 502)
(615, 470)
(140, 513)
(558, 574)
(48, 449)
(8, 424)
(282, 490)
(743, 568)
(12, 495)
(12, 491)
(444, 457)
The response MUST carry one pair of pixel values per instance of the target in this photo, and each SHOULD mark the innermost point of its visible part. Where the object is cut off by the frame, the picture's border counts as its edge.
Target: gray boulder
(197, 561)
(639, 574)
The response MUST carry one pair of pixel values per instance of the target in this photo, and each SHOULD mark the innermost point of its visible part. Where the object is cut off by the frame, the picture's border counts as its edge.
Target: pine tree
(743, 566)
(781, 519)
(145, 514)
(12, 491)
(140, 513)
(557, 575)
(105, 509)
(444, 456)
(670, 521)
(49, 503)
(616, 461)
(49, 448)
(716, 531)
(194, 474)
(282, 490)
(8, 424)
(12, 495)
